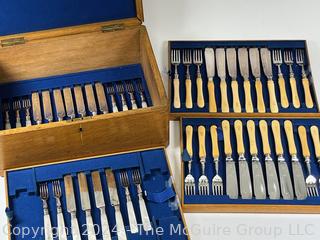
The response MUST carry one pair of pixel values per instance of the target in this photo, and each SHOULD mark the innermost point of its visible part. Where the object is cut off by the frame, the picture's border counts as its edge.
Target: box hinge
(12, 42)
(112, 28)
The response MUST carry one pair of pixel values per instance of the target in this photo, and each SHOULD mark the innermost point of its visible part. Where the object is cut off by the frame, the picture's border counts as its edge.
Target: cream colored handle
(202, 141)
(265, 138)
(252, 137)
(212, 97)
(275, 125)
(200, 98)
(307, 93)
(214, 141)
(247, 92)
(224, 96)
(189, 135)
(283, 93)
(289, 132)
(316, 140)
(304, 141)
(239, 135)
(235, 94)
(272, 96)
(226, 137)
(295, 96)
(260, 100)
(189, 103)
(176, 93)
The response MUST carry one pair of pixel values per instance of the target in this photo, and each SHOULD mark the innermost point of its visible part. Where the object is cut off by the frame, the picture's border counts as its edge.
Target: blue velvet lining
(237, 44)
(19, 16)
(27, 206)
(207, 122)
(22, 89)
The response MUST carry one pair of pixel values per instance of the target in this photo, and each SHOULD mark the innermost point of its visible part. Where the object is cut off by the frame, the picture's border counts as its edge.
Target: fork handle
(189, 134)
(200, 98)
(212, 96)
(202, 142)
(260, 100)
(121, 231)
(283, 93)
(272, 97)
(304, 141)
(47, 223)
(176, 93)
(316, 140)
(295, 96)
(189, 103)
(61, 225)
(214, 140)
(235, 95)
(224, 96)
(144, 214)
(307, 93)
(131, 215)
(248, 98)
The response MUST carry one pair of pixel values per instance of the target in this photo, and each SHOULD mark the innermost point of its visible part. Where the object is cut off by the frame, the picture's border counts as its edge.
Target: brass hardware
(112, 28)
(12, 42)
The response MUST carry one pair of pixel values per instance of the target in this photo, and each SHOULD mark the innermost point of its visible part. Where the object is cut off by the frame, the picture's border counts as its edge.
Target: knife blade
(114, 199)
(259, 185)
(91, 99)
(61, 113)
(232, 69)
(100, 204)
(210, 66)
(244, 69)
(284, 175)
(69, 102)
(47, 107)
(272, 177)
(267, 67)
(102, 100)
(86, 206)
(72, 207)
(245, 179)
(298, 176)
(231, 174)
(81, 109)
(221, 68)
(36, 108)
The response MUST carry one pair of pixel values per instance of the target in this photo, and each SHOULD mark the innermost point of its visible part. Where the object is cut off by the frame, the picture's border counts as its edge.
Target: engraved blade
(84, 193)
(100, 203)
(91, 99)
(255, 62)
(69, 102)
(245, 179)
(210, 62)
(272, 179)
(70, 198)
(232, 62)
(285, 180)
(221, 62)
(36, 108)
(112, 186)
(47, 107)
(266, 62)
(298, 179)
(259, 185)
(244, 62)
(102, 100)
(231, 179)
(79, 101)
(59, 104)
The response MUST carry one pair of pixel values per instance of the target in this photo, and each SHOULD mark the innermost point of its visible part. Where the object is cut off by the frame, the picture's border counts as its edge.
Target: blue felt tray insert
(294, 44)
(34, 15)
(208, 122)
(27, 209)
(10, 92)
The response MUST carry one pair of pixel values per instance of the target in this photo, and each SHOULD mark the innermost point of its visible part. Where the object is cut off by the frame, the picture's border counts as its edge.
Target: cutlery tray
(26, 210)
(195, 110)
(222, 203)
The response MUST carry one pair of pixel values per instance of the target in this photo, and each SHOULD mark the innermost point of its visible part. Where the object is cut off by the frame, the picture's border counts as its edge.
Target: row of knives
(277, 182)
(71, 102)
(227, 60)
(105, 229)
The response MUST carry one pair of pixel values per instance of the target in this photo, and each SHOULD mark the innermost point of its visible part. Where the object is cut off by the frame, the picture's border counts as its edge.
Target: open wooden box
(93, 36)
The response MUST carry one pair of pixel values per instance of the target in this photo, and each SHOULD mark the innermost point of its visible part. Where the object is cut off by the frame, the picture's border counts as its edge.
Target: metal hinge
(12, 42)
(111, 28)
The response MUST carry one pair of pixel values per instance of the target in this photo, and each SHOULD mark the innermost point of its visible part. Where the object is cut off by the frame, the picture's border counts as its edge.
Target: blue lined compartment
(20, 90)
(26, 205)
(282, 45)
(208, 122)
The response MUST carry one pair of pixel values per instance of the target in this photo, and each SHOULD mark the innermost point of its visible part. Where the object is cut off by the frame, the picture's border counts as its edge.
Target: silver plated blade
(231, 179)
(221, 62)
(245, 179)
(255, 62)
(272, 179)
(285, 180)
(266, 62)
(244, 62)
(259, 185)
(84, 192)
(299, 180)
(232, 62)
(210, 62)
(112, 186)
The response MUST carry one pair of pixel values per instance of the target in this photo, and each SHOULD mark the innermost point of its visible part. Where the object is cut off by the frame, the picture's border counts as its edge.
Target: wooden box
(45, 45)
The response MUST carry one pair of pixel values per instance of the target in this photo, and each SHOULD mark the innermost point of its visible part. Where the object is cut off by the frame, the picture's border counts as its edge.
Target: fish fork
(124, 179)
(6, 110)
(26, 105)
(44, 195)
(17, 108)
(203, 182)
(111, 92)
(175, 60)
(311, 181)
(288, 59)
(198, 61)
(305, 80)
(130, 90)
(61, 225)
(217, 182)
(143, 209)
(189, 182)
(277, 60)
(187, 61)
(144, 103)
(121, 91)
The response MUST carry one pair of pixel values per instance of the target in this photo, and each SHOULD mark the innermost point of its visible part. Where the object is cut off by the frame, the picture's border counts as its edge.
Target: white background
(231, 19)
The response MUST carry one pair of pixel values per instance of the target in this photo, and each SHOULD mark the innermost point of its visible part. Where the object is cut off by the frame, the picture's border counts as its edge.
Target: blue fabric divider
(290, 45)
(210, 170)
(26, 204)
(10, 92)
(34, 15)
